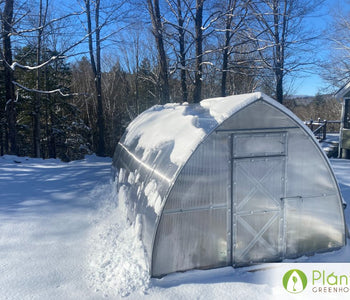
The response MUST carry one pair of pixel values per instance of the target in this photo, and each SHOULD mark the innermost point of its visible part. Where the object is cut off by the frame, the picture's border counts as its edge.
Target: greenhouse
(230, 181)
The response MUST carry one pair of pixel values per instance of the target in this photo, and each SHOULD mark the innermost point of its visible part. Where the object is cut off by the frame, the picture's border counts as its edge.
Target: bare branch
(20, 32)
(59, 91)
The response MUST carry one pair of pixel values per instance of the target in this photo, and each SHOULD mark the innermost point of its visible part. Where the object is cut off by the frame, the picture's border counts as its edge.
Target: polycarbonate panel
(258, 115)
(312, 225)
(188, 240)
(204, 181)
(258, 183)
(308, 172)
(144, 174)
(257, 238)
(136, 176)
(259, 144)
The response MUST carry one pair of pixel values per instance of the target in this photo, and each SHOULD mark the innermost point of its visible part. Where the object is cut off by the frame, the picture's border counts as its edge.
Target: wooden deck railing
(320, 128)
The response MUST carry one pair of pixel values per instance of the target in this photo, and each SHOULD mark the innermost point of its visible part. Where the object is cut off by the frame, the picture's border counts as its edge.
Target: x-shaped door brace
(257, 185)
(258, 235)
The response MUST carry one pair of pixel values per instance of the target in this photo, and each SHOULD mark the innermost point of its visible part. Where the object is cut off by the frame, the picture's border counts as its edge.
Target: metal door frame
(232, 226)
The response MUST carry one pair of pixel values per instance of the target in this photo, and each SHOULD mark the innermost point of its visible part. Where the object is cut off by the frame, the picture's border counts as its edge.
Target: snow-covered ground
(63, 235)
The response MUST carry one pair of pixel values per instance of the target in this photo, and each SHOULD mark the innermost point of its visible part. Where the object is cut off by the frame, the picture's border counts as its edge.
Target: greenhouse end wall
(256, 188)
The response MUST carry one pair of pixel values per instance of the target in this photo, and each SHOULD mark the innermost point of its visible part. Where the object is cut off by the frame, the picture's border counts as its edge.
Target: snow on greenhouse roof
(224, 107)
(183, 124)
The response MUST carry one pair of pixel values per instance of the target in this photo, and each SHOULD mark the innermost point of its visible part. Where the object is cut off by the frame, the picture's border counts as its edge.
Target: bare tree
(235, 19)
(157, 29)
(37, 103)
(30, 28)
(281, 38)
(95, 60)
(198, 23)
(336, 68)
(109, 19)
(180, 9)
(7, 22)
(182, 50)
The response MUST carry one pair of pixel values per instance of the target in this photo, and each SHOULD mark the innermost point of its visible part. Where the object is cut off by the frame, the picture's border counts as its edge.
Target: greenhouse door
(258, 171)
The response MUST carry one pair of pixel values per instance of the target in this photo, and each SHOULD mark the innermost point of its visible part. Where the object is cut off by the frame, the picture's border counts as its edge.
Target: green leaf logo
(294, 281)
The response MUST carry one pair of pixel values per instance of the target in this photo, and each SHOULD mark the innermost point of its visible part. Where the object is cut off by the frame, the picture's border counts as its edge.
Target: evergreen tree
(65, 134)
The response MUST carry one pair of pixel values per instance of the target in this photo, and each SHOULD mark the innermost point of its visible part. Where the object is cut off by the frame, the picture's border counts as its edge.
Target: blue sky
(312, 83)
(309, 85)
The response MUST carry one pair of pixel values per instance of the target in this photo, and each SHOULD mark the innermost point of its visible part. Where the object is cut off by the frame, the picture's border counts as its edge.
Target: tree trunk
(100, 116)
(182, 52)
(197, 94)
(1, 141)
(11, 115)
(153, 7)
(137, 106)
(279, 87)
(37, 100)
(96, 69)
(278, 59)
(226, 52)
(52, 148)
(224, 73)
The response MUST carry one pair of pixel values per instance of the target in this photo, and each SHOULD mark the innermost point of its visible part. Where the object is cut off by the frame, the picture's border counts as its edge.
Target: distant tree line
(324, 107)
(73, 75)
